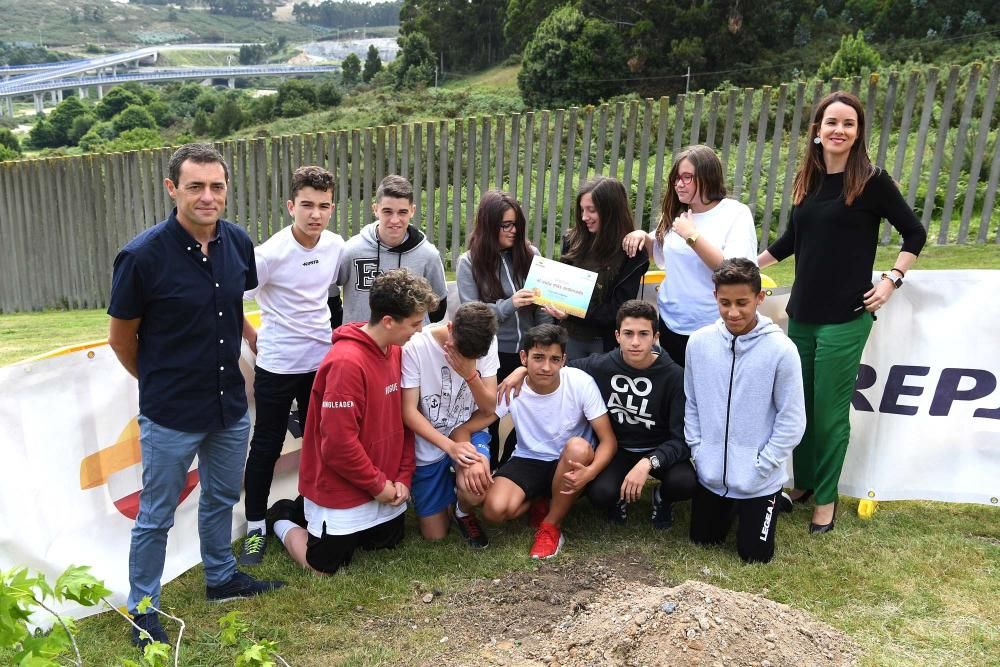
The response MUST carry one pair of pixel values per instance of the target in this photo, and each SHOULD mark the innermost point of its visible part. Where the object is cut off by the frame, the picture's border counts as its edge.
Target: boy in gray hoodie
(390, 243)
(745, 413)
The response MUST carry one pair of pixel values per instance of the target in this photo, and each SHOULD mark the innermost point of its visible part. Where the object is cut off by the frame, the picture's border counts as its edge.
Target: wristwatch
(654, 462)
(896, 282)
(691, 240)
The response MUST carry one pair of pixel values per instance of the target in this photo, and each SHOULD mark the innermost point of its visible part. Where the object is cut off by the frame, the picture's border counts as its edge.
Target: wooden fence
(63, 219)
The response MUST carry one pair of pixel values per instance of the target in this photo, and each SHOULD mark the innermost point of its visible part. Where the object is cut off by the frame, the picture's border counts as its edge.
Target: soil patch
(559, 616)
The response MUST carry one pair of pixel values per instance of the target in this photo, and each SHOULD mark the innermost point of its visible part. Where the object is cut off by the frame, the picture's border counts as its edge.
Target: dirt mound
(561, 617)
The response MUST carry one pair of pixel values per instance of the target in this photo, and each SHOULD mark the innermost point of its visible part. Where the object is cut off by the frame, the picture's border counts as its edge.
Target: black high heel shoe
(817, 528)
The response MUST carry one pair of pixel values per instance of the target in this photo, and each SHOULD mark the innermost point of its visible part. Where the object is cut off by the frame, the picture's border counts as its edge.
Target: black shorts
(533, 476)
(329, 553)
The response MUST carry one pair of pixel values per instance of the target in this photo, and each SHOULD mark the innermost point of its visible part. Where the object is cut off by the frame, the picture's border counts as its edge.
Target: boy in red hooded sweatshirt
(357, 457)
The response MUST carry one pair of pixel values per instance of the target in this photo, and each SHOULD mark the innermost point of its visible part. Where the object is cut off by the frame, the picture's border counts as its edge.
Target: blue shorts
(433, 487)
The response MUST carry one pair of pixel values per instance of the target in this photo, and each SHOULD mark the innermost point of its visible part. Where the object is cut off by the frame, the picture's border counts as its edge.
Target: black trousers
(329, 553)
(757, 519)
(678, 481)
(509, 362)
(674, 344)
(273, 394)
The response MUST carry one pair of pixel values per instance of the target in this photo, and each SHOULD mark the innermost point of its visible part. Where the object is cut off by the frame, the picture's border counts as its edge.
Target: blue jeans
(166, 456)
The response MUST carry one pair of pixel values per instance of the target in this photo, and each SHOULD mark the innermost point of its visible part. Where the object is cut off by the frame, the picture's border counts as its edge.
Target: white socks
(281, 528)
(257, 525)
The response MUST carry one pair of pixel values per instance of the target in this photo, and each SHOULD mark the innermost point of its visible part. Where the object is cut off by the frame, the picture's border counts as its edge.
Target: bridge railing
(62, 220)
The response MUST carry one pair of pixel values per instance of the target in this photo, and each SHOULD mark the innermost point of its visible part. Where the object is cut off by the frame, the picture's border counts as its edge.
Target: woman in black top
(840, 201)
(603, 218)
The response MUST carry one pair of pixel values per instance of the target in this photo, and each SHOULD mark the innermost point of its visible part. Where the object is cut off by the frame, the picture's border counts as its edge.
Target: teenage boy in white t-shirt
(294, 270)
(450, 378)
(557, 416)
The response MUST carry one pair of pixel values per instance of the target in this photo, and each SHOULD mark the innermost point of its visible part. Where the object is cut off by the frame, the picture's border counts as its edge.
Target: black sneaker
(242, 585)
(471, 530)
(150, 623)
(253, 548)
(618, 513)
(663, 512)
(783, 503)
(281, 509)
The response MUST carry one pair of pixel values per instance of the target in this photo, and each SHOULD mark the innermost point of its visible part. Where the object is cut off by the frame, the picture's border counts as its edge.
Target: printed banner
(562, 286)
(926, 424)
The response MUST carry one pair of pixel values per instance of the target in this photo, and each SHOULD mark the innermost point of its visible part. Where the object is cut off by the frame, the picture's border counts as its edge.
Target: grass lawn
(916, 585)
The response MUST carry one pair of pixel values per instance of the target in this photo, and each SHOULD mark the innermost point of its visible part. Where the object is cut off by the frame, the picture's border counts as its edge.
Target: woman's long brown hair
(611, 201)
(484, 245)
(812, 169)
(708, 178)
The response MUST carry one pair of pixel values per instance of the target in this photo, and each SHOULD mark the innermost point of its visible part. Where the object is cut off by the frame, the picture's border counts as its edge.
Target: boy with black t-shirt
(644, 393)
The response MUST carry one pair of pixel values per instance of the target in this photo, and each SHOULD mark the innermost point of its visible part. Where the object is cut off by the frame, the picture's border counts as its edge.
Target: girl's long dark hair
(484, 245)
(812, 169)
(708, 178)
(611, 201)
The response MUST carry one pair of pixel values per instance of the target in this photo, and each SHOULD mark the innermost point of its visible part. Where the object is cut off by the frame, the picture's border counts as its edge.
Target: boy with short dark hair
(449, 381)
(745, 414)
(557, 416)
(294, 270)
(357, 456)
(389, 243)
(644, 392)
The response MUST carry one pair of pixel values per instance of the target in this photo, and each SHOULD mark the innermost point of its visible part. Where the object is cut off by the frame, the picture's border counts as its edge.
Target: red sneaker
(537, 512)
(548, 541)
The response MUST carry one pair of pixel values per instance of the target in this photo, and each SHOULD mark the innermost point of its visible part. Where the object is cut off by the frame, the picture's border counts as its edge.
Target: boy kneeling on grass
(450, 381)
(557, 416)
(357, 457)
(744, 415)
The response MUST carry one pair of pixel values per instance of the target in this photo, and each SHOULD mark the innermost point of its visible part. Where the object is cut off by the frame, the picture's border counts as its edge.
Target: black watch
(654, 461)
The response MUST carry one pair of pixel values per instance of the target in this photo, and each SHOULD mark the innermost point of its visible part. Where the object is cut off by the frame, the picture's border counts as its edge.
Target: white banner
(926, 425)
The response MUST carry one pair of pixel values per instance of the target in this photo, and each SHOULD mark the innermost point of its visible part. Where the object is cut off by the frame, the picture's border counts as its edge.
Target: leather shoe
(817, 528)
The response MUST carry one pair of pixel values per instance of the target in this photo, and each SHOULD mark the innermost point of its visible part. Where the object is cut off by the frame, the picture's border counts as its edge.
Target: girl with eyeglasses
(603, 219)
(699, 228)
(493, 271)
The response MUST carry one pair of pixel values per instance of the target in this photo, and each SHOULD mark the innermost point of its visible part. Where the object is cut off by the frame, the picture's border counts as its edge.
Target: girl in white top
(699, 228)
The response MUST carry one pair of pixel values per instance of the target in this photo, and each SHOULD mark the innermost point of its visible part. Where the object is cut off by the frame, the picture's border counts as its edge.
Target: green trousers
(830, 355)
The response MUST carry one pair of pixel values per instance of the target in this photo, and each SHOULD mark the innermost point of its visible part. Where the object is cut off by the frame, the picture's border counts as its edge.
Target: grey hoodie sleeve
(790, 417)
(469, 291)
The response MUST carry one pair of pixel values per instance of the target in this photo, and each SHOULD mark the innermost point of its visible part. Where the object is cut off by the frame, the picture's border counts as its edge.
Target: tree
(133, 117)
(373, 64)
(228, 117)
(81, 125)
(135, 139)
(43, 135)
(572, 59)
(328, 93)
(199, 125)
(62, 118)
(852, 58)
(9, 141)
(295, 98)
(350, 70)
(523, 17)
(115, 102)
(415, 62)
(7, 154)
(252, 54)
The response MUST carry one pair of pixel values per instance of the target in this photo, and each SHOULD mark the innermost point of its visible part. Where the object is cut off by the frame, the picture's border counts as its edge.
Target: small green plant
(21, 592)
(260, 653)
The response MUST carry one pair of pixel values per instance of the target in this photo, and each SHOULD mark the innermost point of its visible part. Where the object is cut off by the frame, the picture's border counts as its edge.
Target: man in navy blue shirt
(176, 321)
